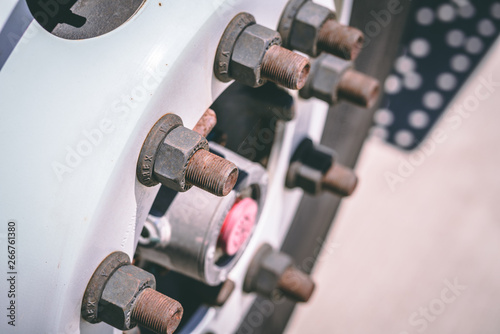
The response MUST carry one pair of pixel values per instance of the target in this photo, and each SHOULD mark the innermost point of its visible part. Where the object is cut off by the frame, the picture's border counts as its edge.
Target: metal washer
(225, 49)
(149, 150)
(93, 292)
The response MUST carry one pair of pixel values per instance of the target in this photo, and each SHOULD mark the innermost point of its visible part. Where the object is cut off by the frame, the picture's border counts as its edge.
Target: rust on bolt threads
(206, 123)
(286, 68)
(340, 40)
(359, 88)
(211, 173)
(296, 284)
(157, 312)
(340, 180)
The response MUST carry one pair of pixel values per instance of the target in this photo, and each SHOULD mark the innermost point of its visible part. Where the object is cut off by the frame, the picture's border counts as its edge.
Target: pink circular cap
(238, 225)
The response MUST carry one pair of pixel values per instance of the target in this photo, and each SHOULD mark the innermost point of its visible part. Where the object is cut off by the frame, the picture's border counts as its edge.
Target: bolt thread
(285, 68)
(342, 41)
(340, 180)
(211, 173)
(358, 88)
(296, 285)
(157, 312)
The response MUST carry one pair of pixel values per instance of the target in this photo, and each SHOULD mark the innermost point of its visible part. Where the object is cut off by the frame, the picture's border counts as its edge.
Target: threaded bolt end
(340, 40)
(211, 173)
(285, 68)
(340, 180)
(296, 285)
(359, 88)
(157, 312)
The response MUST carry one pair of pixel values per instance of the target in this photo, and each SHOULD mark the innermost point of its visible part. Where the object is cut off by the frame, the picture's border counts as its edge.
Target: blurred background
(417, 248)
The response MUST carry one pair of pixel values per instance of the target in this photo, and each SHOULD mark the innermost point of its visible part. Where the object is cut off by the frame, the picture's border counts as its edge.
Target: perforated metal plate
(444, 42)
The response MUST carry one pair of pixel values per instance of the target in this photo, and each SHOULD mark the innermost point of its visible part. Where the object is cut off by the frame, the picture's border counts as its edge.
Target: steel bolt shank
(359, 88)
(340, 180)
(342, 41)
(285, 67)
(211, 173)
(296, 285)
(206, 123)
(157, 312)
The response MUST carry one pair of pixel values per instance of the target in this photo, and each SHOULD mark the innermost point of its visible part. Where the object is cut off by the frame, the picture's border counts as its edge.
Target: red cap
(238, 225)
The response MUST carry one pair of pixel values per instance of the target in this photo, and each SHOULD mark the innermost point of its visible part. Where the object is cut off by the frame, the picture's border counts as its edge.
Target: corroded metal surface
(90, 302)
(157, 312)
(206, 123)
(211, 173)
(296, 285)
(359, 88)
(124, 295)
(271, 270)
(178, 158)
(339, 40)
(286, 68)
(251, 54)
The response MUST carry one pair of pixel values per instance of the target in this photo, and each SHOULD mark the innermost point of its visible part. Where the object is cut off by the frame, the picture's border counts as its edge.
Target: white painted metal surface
(6, 7)
(74, 115)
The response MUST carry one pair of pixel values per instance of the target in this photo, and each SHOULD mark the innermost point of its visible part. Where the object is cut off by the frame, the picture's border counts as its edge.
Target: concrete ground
(420, 254)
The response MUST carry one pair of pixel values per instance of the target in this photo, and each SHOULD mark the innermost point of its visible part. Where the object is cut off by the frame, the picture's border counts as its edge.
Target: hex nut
(306, 26)
(327, 72)
(120, 293)
(307, 178)
(173, 157)
(266, 271)
(248, 53)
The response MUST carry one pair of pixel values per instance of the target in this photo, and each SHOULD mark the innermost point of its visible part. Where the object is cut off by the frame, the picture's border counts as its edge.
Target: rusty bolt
(333, 79)
(340, 180)
(252, 54)
(157, 312)
(211, 173)
(359, 89)
(311, 28)
(178, 158)
(313, 168)
(340, 40)
(123, 296)
(271, 270)
(296, 284)
(285, 68)
(206, 123)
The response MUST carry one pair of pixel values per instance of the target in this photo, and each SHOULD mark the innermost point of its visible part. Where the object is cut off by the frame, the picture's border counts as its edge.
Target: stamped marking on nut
(96, 285)
(226, 44)
(150, 148)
